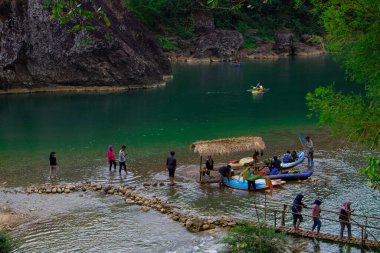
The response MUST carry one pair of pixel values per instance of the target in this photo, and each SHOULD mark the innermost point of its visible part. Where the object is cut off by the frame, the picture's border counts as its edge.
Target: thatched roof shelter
(228, 145)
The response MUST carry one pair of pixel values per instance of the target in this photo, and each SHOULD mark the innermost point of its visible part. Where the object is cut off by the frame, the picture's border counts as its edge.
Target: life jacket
(287, 158)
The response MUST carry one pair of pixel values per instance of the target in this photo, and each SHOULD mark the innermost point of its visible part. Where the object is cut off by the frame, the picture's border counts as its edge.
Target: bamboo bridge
(278, 214)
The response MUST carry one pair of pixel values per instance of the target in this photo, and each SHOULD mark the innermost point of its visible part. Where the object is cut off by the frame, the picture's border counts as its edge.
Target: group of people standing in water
(111, 159)
(344, 215)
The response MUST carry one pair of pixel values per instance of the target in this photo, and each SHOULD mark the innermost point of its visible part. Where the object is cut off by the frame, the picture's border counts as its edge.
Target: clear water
(202, 102)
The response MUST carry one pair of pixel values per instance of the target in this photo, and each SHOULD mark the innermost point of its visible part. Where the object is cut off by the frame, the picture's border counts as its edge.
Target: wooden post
(363, 240)
(265, 206)
(283, 216)
(200, 170)
(275, 218)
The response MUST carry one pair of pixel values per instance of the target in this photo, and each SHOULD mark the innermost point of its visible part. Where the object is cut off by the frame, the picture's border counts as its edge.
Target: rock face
(35, 51)
(218, 43)
(283, 42)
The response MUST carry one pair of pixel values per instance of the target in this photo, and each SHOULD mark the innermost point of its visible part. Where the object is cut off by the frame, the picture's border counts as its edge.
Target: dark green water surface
(202, 102)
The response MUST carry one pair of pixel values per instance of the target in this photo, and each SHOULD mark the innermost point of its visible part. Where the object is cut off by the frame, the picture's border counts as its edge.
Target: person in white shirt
(310, 151)
(122, 154)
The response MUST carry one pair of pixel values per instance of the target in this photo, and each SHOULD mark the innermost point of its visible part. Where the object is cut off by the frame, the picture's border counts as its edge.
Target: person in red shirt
(111, 157)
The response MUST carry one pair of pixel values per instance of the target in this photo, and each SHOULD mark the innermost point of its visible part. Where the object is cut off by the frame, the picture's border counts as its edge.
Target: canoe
(301, 157)
(240, 184)
(292, 176)
(254, 91)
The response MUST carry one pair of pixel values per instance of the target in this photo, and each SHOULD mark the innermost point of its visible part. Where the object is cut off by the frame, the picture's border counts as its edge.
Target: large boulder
(218, 43)
(35, 51)
(283, 42)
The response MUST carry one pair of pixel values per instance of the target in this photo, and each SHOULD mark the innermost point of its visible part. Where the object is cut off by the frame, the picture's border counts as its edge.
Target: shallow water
(201, 102)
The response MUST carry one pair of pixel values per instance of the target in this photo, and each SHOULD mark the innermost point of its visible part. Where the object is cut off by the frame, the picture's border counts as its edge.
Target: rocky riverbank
(223, 46)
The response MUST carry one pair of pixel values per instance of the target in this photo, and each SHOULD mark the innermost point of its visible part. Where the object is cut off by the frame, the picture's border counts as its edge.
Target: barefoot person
(310, 151)
(171, 164)
(111, 157)
(53, 165)
(122, 154)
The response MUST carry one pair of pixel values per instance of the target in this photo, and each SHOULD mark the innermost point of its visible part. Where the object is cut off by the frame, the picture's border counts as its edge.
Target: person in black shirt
(53, 165)
(224, 171)
(345, 219)
(209, 165)
(171, 164)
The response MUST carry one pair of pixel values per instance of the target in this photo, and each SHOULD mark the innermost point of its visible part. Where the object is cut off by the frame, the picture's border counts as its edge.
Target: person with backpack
(345, 219)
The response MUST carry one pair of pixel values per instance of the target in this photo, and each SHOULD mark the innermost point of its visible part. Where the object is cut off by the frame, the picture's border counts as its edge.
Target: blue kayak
(301, 157)
(292, 176)
(240, 185)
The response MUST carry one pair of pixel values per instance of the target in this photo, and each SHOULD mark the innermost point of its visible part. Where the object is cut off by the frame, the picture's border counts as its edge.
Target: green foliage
(353, 34)
(167, 44)
(349, 116)
(147, 11)
(5, 243)
(372, 171)
(267, 17)
(249, 237)
(74, 15)
(174, 16)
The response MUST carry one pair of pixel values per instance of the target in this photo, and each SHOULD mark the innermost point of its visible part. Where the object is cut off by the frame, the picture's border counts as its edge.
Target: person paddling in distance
(171, 164)
(122, 154)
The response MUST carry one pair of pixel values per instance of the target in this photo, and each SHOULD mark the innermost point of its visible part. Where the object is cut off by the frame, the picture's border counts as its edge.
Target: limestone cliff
(36, 52)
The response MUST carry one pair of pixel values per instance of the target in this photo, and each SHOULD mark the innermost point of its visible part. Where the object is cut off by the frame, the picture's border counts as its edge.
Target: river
(202, 102)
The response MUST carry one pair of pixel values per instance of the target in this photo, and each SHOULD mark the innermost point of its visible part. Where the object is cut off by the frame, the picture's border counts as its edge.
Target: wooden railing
(366, 224)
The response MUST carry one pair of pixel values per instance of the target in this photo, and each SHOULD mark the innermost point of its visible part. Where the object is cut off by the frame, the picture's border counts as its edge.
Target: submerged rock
(36, 52)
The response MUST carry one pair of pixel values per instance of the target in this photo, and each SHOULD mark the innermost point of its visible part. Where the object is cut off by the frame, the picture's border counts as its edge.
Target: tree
(353, 36)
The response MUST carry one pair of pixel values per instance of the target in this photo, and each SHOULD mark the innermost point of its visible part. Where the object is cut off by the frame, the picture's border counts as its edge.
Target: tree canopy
(353, 36)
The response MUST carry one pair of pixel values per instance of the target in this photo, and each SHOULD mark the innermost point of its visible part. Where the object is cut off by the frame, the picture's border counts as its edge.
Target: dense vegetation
(249, 237)
(255, 19)
(353, 35)
(5, 243)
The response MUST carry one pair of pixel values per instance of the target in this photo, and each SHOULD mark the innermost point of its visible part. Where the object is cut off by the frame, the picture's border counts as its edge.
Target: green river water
(203, 101)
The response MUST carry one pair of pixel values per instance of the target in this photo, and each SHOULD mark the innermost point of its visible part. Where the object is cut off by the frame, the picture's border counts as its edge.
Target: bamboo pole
(200, 170)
